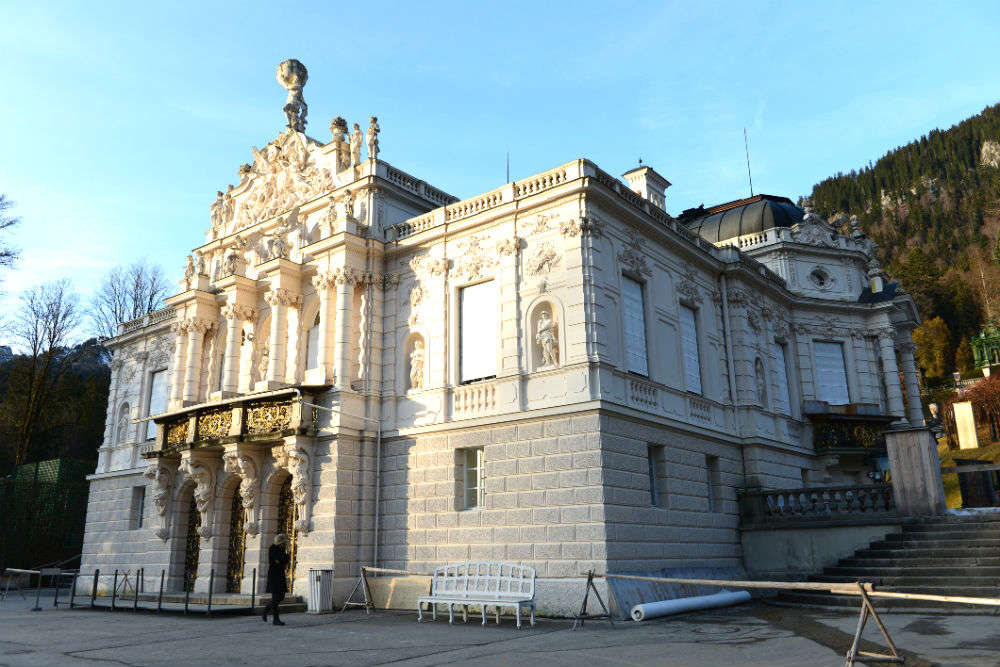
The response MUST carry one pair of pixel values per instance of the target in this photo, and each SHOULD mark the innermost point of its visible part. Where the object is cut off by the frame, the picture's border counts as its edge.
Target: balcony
(243, 419)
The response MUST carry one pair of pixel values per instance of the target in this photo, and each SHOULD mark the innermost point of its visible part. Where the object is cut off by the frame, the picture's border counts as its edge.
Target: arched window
(312, 344)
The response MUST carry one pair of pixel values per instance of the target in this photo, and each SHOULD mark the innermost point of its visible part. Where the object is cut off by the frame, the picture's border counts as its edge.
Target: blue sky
(120, 120)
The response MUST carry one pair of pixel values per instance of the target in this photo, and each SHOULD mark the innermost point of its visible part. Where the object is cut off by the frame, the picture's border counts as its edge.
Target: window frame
(697, 348)
(137, 508)
(781, 366)
(627, 279)
(460, 331)
(819, 381)
(477, 455)
(150, 424)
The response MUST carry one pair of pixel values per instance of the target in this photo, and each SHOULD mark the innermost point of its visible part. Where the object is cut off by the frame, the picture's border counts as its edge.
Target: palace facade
(556, 372)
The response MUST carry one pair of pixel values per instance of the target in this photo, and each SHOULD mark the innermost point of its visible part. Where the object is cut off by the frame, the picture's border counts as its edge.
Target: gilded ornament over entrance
(292, 75)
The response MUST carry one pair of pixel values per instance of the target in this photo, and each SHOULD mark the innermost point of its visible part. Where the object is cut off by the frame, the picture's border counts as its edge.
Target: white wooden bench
(487, 584)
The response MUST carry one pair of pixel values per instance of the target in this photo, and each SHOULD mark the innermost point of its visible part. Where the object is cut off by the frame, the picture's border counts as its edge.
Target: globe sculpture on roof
(292, 75)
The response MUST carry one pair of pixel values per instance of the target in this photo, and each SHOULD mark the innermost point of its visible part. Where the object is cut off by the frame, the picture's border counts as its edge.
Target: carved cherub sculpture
(417, 365)
(372, 137)
(545, 336)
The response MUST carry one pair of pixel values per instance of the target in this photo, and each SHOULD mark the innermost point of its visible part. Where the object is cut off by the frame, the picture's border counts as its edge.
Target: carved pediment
(288, 172)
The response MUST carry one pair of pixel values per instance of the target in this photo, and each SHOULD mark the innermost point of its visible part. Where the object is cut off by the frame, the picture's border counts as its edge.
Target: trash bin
(320, 591)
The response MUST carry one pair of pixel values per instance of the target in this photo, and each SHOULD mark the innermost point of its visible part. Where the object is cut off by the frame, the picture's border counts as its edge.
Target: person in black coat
(277, 585)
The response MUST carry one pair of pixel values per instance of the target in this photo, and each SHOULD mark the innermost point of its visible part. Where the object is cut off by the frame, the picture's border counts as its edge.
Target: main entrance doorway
(192, 547)
(287, 515)
(237, 545)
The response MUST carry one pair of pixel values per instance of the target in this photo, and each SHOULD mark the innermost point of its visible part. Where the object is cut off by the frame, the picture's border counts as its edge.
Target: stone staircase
(953, 555)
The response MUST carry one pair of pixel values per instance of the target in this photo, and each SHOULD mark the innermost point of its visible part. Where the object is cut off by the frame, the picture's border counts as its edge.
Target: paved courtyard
(755, 634)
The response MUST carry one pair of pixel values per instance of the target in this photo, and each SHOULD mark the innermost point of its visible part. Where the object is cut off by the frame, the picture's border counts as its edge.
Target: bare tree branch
(49, 316)
(127, 292)
(8, 253)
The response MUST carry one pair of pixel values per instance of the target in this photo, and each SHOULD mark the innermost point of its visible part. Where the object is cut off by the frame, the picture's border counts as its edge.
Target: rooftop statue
(292, 76)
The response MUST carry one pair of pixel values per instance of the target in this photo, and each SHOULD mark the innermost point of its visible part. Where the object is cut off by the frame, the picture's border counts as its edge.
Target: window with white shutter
(635, 327)
(157, 400)
(782, 393)
(477, 332)
(689, 345)
(831, 373)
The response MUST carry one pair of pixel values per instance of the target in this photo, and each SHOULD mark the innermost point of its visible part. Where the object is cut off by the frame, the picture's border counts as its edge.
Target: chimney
(645, 182)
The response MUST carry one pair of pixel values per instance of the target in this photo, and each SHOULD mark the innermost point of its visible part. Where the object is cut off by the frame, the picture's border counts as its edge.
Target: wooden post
(583, 615)
(72, 590)
(159, 599)
(93, 589)
(114, 590)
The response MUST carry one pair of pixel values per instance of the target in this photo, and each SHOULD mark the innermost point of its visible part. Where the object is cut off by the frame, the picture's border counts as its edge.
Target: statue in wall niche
(356, 141)
(761, 383)
(545, 336)
(372, 138)
(292, 75)
(417, 365)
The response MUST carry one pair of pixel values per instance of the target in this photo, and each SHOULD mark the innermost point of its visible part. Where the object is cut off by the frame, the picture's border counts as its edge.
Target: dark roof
(888, 293)
(743, 216)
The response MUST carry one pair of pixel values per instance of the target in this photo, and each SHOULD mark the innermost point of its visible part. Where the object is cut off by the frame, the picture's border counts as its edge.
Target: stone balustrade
(760, 508)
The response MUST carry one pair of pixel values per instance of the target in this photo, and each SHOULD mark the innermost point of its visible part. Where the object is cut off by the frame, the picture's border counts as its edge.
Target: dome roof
(743, 216)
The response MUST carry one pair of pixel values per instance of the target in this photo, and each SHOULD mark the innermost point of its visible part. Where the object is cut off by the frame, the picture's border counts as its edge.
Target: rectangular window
(635, 327)
(712, 482)
(157, 400)
(473, 477)
(138, 507)
(657, 473)
(689, 344)
(831, 373)
(782, 393)
(477, 332)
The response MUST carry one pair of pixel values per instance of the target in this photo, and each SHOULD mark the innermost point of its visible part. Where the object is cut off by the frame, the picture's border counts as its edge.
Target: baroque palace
(556, 372)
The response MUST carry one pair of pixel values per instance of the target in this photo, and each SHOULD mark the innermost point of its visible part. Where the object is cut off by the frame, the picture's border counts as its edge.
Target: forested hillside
(933, 206)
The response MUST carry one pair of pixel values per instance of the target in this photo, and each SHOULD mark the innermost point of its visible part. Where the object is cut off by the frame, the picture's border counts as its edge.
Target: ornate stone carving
(372, 138)
(242, 464)
(543, 259)
(203, 476)
(632, 256)
(475, 260)
(510, 246)
(577, 226)
(162, 482)
(176, 433)
(424, 265)
(814, 231)
(292, 76)
(547, 338)
(296, 460)
(235, 312)
(417, 365)
(541, 223)
(416, 298)
(688, 290)
(753, 320)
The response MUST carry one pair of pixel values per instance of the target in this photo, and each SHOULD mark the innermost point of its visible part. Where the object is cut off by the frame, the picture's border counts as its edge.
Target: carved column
(893, 390)
(322, 374)
(295, 456)
(197, 328)
(179, 330)
(342, 338)
(294, 346)
(235, 316)
(914, 408)
(279, 300)
(202, 467)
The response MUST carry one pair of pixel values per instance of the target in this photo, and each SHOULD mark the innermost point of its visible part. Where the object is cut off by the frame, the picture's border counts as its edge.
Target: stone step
(907, 561)
(914, 580)
(906, 543)
(956, 535)
(947, 571)
(891, 551)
